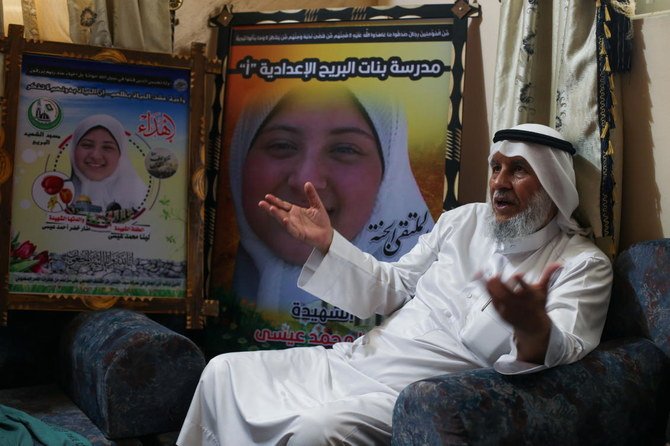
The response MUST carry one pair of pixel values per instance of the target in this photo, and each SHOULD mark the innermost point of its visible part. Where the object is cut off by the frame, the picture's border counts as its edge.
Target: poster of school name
(360, 111)
(100, 179)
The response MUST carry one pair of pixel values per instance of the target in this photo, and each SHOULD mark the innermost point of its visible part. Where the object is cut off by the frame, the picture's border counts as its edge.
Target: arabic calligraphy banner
(361, 103)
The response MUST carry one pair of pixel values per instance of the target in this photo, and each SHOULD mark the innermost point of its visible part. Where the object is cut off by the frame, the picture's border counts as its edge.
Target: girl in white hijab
(397, 217)
(121, 188)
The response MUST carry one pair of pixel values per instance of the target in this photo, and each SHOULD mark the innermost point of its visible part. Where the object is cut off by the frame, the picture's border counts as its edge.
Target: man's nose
(308, 169)
(501, 180)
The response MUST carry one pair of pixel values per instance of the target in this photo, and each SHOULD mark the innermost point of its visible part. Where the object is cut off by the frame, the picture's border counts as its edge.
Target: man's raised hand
(309, 224)
(522, 305)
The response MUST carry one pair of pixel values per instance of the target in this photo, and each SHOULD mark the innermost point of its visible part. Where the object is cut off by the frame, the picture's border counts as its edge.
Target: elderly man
(511, 284)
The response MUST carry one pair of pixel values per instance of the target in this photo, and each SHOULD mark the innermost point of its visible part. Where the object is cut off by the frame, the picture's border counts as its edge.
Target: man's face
(512, 185)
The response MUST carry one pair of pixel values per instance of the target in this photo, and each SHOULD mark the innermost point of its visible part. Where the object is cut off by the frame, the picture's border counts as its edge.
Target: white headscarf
(554, 169)
(398, 197)
(123, 186)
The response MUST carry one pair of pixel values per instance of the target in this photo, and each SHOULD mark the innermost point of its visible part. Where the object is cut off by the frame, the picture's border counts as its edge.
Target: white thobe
(437, 305)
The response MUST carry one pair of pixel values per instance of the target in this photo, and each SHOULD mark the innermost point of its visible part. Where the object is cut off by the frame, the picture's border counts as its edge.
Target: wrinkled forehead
(532, 154)
(498, 160)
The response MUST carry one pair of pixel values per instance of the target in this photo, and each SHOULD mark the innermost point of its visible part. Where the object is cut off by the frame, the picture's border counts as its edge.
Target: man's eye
(495, 168)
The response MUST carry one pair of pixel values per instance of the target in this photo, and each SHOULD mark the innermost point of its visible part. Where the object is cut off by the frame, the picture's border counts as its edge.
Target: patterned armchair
(618, 394)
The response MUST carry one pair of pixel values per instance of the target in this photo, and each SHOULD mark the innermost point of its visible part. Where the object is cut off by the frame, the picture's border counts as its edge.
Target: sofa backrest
(640, 304)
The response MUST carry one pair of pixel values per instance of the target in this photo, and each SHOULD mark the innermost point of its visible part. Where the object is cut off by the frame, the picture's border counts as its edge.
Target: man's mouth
(503, 201)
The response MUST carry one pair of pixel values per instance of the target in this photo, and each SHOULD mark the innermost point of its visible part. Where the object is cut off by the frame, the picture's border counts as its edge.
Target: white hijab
(123, 186)
(553, 167)
(398, 197)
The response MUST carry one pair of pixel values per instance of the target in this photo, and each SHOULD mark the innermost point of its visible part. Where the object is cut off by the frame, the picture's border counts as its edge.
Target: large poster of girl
(368, 112)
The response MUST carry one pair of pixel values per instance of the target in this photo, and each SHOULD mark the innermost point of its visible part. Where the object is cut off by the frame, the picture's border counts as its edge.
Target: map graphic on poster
(361, 111)
(100, 179)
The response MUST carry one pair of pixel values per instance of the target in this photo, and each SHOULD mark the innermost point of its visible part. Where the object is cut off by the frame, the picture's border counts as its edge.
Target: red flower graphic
(42, 259)
(24, 259)
(24, 251)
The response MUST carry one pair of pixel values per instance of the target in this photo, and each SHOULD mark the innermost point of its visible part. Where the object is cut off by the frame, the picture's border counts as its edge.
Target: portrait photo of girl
(102, 172)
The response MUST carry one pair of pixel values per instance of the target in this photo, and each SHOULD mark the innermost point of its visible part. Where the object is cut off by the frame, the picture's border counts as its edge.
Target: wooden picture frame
(102, 180)
(398, 59)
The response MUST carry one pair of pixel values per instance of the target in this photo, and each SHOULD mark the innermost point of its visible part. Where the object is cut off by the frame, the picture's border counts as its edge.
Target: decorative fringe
(608, 33)
(613, 33)
(604, 132)
(624, 7)
(618, 33)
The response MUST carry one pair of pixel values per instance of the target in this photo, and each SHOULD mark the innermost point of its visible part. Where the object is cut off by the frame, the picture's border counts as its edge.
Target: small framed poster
(102, 179)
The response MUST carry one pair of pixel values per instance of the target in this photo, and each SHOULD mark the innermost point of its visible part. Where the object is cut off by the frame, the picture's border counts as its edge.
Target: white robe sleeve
(362, 285)
(577, 306)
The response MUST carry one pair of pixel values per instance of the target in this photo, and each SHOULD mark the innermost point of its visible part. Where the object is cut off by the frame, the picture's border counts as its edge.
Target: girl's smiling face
(97, 154)
(325, 139)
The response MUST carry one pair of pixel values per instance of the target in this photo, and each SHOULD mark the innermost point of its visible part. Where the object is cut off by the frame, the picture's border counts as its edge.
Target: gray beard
(524, 223)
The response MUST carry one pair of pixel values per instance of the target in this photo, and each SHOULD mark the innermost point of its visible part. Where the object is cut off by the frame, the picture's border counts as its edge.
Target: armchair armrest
(130, 375)
(618, 394)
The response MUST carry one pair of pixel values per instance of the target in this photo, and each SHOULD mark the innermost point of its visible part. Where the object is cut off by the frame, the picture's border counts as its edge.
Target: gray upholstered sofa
(117, 377)
(617, 395)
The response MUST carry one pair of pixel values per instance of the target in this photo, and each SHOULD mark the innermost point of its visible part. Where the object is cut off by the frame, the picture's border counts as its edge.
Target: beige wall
(644, 102)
